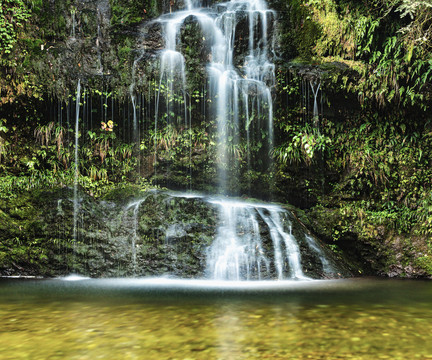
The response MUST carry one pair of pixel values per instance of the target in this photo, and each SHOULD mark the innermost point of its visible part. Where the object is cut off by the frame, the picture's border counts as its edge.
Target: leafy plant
(13, 14)
(305, 144)
(3, 142)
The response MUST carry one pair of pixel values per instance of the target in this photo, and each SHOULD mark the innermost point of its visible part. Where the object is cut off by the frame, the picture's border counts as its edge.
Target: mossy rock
(123, 194)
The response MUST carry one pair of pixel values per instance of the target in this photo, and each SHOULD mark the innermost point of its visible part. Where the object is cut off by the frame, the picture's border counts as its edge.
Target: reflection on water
(133, 319)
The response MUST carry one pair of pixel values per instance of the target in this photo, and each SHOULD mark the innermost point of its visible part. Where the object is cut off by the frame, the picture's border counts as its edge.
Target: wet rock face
(158, 234)
(85, 50)
(152, 37)
(174, 231)
(99, 40)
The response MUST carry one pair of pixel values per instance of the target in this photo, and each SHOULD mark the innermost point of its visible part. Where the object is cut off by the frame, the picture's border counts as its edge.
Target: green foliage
(417, 33)
(177, 143)
(425, 262)
(302, 140)
(13, 15)
(387, 173)
(388, 43)
(12, 187)
(195, 48)
(305, 144)
(298, 31)
(338, 37)
(20, 44)
(129, 12)
(397, 77)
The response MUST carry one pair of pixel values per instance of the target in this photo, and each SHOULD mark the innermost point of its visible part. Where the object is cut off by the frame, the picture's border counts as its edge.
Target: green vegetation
(365, 159)
(387, 43)
(373, 151)
(127, 12)
(13, 14)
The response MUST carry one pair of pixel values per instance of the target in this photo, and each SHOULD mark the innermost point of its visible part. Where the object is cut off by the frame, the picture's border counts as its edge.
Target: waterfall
(172, 82)
(76, 204)
(73, 12)
(328, 269)
(240, 85)
(133, 99)
(283, 239)
(98, 50)
(249, 241)
(245, 88)
(191, 4)
(238, 251)
(240, 96)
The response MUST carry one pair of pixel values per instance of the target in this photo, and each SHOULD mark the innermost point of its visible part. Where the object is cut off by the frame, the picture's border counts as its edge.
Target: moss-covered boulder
(152, 233)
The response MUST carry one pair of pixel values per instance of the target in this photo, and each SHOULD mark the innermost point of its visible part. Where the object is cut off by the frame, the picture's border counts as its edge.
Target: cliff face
(158, 233)
(112, 238)
(351, 100)
(49, 44)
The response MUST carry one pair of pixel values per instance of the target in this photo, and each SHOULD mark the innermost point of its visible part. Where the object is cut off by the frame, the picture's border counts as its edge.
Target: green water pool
(169, 319)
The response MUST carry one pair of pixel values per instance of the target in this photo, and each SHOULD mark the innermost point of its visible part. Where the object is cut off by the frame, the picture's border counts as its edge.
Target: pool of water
(174, 319)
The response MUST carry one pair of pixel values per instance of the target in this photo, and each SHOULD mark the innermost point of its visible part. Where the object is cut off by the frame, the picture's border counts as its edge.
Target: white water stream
(252, 241)
(240, 92)
(238, 251)
(135, 206)
(239, 84)
(315, 106)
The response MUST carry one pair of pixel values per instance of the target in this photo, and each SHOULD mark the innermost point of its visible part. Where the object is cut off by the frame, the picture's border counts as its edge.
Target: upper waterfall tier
(239, 76)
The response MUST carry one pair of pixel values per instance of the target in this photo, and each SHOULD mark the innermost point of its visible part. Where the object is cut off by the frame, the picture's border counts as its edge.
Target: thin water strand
(75, 200)
(328, 269)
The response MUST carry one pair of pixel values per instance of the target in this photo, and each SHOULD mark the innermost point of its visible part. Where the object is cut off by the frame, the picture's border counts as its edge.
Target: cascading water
(241, 251)
(135, 206)
(133, 99)
(98, 50)
(244, 88)
(73, 11)
(327, 267)
(250, 241)
(172, 83)
(281, 239)
(240, 92)
(237, 251)
(238, 84)
(246, 240)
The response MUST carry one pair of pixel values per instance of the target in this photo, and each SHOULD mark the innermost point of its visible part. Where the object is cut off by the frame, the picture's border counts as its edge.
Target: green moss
(124, 194)
(195, 49)
(124, 51)
(130, 12)
(425, 263)
(298, 32)
(4, 259)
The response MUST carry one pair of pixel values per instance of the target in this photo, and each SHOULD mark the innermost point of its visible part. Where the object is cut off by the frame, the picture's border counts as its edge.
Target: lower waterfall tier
(171, 234)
